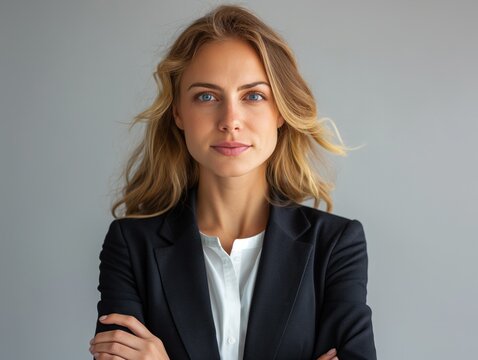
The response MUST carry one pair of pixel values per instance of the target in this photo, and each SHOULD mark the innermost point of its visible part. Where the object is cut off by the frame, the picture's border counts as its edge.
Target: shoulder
(152, 223)
(145, 224)
(136, 232)
(317, 215)
(329, 228)
(326, 220)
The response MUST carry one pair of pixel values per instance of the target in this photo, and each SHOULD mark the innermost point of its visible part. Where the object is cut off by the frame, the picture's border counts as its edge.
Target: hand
(121, 345)
(330, 355)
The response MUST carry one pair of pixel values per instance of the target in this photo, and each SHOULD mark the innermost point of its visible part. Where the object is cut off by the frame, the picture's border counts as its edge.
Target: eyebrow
(217, 87)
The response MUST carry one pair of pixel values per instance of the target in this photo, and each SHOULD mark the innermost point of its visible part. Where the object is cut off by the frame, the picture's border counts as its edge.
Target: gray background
(397, 76)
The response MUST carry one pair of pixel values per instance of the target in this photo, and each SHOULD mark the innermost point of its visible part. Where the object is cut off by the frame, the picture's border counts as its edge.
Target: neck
(232, 208)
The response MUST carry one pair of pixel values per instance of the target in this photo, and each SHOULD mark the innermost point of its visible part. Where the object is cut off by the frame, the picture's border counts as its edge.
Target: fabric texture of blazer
(309, 295)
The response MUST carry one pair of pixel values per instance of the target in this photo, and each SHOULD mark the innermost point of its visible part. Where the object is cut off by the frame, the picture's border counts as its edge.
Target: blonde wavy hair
(161, 169)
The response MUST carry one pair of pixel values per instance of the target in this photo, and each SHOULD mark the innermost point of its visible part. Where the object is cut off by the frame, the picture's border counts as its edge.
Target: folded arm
(345, 320)
(116, 283)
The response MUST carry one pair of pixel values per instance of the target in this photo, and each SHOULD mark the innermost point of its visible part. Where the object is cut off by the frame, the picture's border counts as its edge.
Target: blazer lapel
(282, 264)
(182, 270)
(183, 275)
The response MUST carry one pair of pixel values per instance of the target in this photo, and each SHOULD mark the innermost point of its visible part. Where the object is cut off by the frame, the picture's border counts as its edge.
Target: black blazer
(309, 296)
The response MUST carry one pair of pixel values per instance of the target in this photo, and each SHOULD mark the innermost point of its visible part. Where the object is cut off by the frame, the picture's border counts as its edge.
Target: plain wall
(399, 77)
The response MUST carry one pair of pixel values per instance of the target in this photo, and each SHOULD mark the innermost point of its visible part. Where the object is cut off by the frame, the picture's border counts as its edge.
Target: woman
(215, 257)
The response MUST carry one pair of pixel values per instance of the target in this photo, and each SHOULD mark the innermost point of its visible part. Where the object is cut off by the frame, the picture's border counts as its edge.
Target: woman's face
(227, 111)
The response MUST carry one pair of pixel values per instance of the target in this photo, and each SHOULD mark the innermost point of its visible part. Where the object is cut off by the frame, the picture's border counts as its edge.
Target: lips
(230, 148)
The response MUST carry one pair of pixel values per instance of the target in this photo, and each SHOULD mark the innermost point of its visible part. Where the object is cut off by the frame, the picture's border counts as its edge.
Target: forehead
(224, 62)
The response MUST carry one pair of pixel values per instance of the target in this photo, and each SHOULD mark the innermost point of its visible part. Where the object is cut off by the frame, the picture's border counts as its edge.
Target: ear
(177, 118)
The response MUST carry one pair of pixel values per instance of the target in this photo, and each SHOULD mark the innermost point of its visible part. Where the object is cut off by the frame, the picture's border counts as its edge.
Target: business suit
(309, 296)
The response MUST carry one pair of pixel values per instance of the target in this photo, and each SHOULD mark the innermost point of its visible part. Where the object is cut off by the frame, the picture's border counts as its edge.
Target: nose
(230, 117)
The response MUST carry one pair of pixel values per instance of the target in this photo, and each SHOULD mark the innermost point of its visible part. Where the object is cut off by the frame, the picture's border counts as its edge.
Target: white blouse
(231, 282)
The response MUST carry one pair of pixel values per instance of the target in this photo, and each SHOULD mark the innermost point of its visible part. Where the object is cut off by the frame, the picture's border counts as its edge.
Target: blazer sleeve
(345, 320)
(117, 284)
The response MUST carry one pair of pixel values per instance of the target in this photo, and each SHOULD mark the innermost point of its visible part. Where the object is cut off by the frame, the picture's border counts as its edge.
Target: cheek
(193, 147)
(191, 139)
(267, 131)
(197, 120)
(272, 143)
(196, 136)
(267, 143)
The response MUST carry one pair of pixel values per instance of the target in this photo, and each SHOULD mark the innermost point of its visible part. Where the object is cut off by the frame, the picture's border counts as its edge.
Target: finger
(114, 349)
(330, 355)
(128, 321)
(118, 336)
(106, 356)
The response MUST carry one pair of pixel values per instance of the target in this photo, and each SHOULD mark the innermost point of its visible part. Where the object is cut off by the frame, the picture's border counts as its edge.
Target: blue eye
(254, 96)
(205, 97)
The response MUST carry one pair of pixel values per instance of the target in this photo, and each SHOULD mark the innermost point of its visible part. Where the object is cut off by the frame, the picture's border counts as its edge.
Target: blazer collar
(183, 274)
